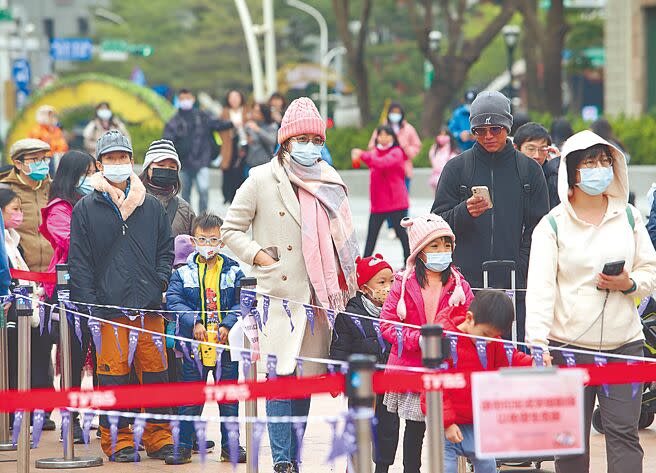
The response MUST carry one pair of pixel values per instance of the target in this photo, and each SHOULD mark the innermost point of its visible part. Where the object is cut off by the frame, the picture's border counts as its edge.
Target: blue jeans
(202, 179)
(229, 371)
(282, 436)
(465, 449)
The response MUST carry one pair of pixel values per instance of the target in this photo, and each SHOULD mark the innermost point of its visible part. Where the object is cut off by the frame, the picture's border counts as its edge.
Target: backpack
(522, 164)
(554, 225)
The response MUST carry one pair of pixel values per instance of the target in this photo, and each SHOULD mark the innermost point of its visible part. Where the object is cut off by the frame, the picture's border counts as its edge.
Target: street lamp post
(323, 50)
(253, 50)
(434, 40)
(510, 37)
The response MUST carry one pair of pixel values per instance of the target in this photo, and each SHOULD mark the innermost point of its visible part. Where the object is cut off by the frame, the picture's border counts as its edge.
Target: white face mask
(117, 173)
(186, 104)
(395, 118)
(208, 252)
(104, 114)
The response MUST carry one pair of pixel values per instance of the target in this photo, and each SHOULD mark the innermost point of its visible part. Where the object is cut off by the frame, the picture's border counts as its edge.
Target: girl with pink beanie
(429, 284)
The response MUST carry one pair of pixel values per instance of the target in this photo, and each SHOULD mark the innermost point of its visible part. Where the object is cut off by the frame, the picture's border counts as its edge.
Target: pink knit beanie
(301, 117)
(421, 231)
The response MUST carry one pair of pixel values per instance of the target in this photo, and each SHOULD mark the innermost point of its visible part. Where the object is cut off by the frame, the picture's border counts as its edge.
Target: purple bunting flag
(133, 339)
(453, 347)
(258, 431)
(38, 418)
(142, 317)
(602, 361)
(256, 315)
(177, 324)
(570, 359)
(18, 420)
(246, 302)
(219, 355)
(200, 426)
(331, 369)
(358, 324)
(379, 336)
(42, 318)
(87, 418)
(138, 429)
(337, 448)
(50, 319)
(510, 294)
(299, 430)
(309, 313)
(65, 425)
(195, 351)
(481, 349)
(344, 368)
(272, 364)
(266, 301)
(118, 343)
(299, 367)
(94, 328)
(175, 434)
(78, 328)
(330, 315)
(285, 305)
(246, 360)
(159, 344)
(509, 348)
(399, 340)
(635, 387)
(113, 430)
(233, 442)
(185, 350)
(538, 356)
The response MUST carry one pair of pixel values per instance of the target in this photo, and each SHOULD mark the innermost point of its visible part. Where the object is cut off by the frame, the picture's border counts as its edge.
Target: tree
(355, 48)
(544, 44)
(454, 60)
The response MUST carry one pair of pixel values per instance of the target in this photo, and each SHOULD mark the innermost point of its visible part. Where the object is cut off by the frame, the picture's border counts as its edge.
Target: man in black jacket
(121, 254)
(500, 229)
(191, 132)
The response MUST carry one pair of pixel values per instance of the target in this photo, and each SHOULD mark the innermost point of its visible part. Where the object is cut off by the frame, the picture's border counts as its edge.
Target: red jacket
(387, 189)
(458, 402)
(56, 228)
(416, 315)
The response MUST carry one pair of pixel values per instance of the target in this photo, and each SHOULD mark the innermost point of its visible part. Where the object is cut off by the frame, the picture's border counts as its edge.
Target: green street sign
(114, 45)
(5, 15)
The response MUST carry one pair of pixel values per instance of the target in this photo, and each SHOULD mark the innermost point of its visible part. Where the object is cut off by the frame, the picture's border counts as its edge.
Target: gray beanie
(113, 140)
(490, 108)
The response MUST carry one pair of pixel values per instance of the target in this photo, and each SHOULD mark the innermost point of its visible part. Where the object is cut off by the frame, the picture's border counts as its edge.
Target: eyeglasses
(42, 159)
(305, 140)
(591, 163)
(202, 241)
(482, 131)
(535, 149)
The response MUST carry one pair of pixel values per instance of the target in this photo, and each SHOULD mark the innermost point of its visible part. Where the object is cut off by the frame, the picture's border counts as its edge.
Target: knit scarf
(126, 205)
(328, 238)
(371, 308)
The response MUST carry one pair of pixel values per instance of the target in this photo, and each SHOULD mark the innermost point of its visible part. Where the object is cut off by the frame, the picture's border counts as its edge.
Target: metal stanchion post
(462, 465)
(359, 389)
(5, 437)
(250, 408)
(69, 460)
(432, 351)
(24, 314)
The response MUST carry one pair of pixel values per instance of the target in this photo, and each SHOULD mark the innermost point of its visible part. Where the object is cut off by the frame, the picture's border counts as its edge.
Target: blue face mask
(84, 187)
(117, 173)
(306, 154)
(39, 170)
(438, 262)
(595, 181)
(395, 117)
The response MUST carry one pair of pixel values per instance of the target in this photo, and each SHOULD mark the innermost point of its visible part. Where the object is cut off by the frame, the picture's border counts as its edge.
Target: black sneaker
(183, 457)
(48, 424)
(162, 453)
(125, 455)
(225, 455)
(78, 437)
(209, 446)
(283, 468)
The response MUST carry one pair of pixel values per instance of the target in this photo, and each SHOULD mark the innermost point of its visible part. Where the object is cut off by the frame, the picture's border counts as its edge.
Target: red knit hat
(302, 117)
(368, 267)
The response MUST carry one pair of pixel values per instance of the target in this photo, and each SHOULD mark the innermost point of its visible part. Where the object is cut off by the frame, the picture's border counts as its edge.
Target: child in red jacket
(490, 314)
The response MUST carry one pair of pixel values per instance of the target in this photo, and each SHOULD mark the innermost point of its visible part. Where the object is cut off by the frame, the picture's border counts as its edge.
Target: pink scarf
(126, 205)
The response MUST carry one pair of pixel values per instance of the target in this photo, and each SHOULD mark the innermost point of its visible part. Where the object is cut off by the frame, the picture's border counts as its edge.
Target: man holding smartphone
(497, 224)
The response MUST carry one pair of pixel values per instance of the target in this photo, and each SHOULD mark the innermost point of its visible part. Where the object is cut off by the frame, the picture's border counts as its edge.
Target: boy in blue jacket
(203, 293)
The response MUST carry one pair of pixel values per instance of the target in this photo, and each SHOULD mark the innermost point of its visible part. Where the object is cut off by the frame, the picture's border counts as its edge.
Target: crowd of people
(133, 241)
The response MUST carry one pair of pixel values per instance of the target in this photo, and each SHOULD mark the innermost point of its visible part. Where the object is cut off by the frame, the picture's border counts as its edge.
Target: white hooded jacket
(563, 303)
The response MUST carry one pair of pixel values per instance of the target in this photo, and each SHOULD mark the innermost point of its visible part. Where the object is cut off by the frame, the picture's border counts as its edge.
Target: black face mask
(163, 177)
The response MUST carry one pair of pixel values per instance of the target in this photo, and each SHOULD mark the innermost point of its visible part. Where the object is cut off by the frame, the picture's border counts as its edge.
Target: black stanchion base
(7, 447)
(61, 463)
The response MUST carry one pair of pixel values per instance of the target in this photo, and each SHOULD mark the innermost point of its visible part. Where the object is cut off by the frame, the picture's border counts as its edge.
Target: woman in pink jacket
(429, 285)
(69, 185)
(387, 190)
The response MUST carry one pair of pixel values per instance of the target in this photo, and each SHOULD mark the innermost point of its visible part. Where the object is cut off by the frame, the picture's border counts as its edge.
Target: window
(83, 26)
(49, 28)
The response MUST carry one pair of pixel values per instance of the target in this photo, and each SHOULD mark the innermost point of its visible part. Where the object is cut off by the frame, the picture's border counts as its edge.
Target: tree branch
(473, 48)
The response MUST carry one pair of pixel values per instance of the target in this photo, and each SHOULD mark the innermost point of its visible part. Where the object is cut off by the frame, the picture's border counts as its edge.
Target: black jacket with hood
(503, 232)
(348, 338)
(120, 263)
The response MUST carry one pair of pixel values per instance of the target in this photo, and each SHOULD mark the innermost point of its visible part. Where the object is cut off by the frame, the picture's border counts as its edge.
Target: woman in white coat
(571, 303)
(302, 249)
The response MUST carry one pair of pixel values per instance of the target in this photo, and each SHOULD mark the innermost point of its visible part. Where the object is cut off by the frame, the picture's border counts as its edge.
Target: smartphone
(482, 191)
(613, 269)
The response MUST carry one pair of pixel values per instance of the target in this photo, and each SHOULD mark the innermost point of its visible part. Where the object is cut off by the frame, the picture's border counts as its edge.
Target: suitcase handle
(487, 265)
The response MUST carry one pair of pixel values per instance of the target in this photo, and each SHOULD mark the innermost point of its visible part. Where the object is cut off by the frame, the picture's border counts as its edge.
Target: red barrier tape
(180, 394)
(43, 278)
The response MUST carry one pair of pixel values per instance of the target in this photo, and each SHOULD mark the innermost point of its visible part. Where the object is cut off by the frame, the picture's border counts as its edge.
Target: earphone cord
(600, 316)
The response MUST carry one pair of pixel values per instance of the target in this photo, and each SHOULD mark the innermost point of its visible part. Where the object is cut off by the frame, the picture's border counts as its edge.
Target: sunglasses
(482, 131)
